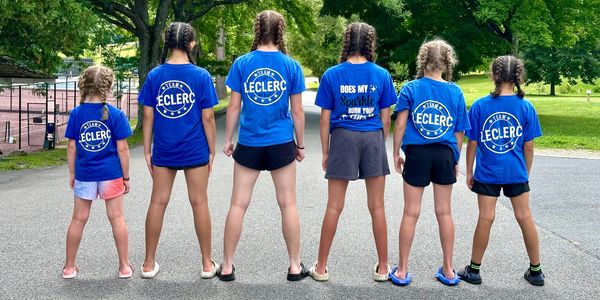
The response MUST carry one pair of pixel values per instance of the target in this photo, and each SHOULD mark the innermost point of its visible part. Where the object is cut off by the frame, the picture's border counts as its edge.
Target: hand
(127, 186)
(299, 154)
(324, 162)
(398, 163)
(72, 181)
(148, 157)
(211, 158)
(469, 180)
(228, 148)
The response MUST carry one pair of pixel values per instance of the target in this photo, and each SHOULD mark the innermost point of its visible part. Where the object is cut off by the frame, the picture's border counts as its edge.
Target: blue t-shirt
(436, 111)
(355, 93)
(97, 158)
(501, 126)
(266, 80)
(178, 94)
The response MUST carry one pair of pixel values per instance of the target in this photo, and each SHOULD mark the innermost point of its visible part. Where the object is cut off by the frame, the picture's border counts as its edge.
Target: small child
(431, 140)
(98, 158)
(504, 127)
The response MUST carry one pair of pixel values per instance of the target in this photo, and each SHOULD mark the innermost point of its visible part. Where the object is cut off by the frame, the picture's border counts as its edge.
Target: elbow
(528, 147)
(298, 113)
(386, 123)
(122, 147)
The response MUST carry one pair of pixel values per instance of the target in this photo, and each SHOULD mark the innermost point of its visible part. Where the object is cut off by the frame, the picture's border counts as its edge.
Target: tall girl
(355, 97)
(430, 126)
(179, 134)
(264, 84)
(98, 158)
(504, 127)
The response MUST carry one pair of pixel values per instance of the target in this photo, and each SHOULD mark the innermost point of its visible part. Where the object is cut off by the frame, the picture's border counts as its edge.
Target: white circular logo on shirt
(500, 132)
(432, 119)
(175, 99)
(265, 86)
(94, 136)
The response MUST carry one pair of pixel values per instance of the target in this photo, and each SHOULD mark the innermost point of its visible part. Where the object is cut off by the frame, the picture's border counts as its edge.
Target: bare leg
(525, 219)
(284, 180)
(412, 209)
(162, 184)
(442, 195)
(481, 237)
(335, 205)
(197, 184)
(375, 191)
(243, 184)
(114, 211)
(81, 213)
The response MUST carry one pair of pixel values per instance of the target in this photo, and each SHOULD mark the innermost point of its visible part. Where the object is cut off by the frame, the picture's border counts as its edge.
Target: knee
(335, 209)
(81, 218)
(239, 203)
(487, 218)
(375, 207)
(413, 213)
(114, 216)
(523, 216)
(199, 201)
(442, 212)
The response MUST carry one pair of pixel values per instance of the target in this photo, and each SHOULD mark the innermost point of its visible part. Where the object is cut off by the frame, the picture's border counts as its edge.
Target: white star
(255, 75)
(172, 114)
(422, 130)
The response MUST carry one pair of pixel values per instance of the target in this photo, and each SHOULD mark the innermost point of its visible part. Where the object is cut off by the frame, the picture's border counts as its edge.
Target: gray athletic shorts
(356, 154)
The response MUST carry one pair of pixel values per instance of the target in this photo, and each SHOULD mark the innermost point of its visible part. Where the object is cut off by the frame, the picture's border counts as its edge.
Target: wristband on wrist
(125, 178)
(300, 147)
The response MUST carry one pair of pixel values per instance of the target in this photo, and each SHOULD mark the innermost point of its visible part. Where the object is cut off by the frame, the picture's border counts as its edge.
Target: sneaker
(537, 279)
(469, 276)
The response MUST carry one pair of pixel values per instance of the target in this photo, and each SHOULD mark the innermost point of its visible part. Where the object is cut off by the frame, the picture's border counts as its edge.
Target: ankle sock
(474, 267)
(535, 269)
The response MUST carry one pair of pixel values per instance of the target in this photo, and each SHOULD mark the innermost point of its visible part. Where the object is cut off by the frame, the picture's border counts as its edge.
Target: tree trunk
(552, 89)
(220, 55)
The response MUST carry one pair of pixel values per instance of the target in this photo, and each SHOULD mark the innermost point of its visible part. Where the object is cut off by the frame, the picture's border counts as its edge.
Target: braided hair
(96, 81)
(179, 36)
(436, 55)
(508, 69)
(360, 39)
(269, 27)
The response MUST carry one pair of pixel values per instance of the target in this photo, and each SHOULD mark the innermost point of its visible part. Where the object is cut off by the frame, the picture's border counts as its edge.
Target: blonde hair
(436, 55)
(97, 81)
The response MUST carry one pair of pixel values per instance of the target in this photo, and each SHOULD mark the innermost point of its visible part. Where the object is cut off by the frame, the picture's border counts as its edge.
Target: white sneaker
(150, 274)
(212, 273)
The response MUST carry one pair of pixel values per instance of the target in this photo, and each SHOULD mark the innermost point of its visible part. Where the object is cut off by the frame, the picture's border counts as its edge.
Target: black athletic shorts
(265, 158)
(493, 190)
(176, 168)
(429, 163)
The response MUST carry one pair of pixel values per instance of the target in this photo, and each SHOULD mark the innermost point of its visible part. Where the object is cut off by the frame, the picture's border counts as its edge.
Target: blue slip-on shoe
(399, 281)
(469, 276)
(447, 281)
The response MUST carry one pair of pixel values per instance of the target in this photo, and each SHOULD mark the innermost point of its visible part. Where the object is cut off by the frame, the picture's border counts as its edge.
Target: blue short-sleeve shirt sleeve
(146, 96)
(473, 133)
(325, 98)
(462, 121)
(532, 127)
(122, 130)
(234, 78)
(388, 95)
(404, 99)
(297, 85)
(71, 132)
(209, 97)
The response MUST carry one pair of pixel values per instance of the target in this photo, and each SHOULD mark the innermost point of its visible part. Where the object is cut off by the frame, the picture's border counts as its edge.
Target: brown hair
(96, 81)
(360, 39)
(436, 55)
(508, 69)
(269, 26)
(178, 36)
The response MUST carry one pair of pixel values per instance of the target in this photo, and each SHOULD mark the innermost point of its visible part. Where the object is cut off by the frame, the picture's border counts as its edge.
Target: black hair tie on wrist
(298, 147)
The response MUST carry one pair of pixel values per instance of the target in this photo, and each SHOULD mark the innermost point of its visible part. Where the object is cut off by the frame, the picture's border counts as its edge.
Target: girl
(355, 97)
(98, 158)
(504, 126)
(179, 124)
(264, 83)
(431, 140)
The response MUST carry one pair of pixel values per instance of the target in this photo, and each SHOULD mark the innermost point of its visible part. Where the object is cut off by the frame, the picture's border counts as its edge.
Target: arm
(324, 130)
(460, 137)
(148, 127)
(231, 120)
(471, 149)
(123, 152)
(384, 114)
(399, 129)
(298, 118)
(71, 154)
(528, 151)
(210, 131)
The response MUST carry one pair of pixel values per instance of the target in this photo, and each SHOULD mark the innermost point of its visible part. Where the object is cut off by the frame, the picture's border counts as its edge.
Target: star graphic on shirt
(255, 75)
(507, 118)
(172, 113)
(373, 89)
(428, 133)
(422, 130)
(184, 108)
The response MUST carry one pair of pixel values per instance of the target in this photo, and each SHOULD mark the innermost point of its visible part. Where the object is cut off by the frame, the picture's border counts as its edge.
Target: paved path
(35, 208)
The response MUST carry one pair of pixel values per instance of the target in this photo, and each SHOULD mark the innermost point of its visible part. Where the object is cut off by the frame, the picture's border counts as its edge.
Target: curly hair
(96, 81)
(436, 55)
(269, 27)
(510, 69)
(179, 36)
(360, 39)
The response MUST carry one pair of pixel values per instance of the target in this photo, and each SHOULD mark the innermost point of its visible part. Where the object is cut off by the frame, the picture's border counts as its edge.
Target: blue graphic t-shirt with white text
(178, 94)
(501, 126)
(436, 111)
(266, 80)
(355, 93)
(97, 158)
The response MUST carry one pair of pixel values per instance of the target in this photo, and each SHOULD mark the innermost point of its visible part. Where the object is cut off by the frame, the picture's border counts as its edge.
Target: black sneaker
(534, 279)
(471, 277)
